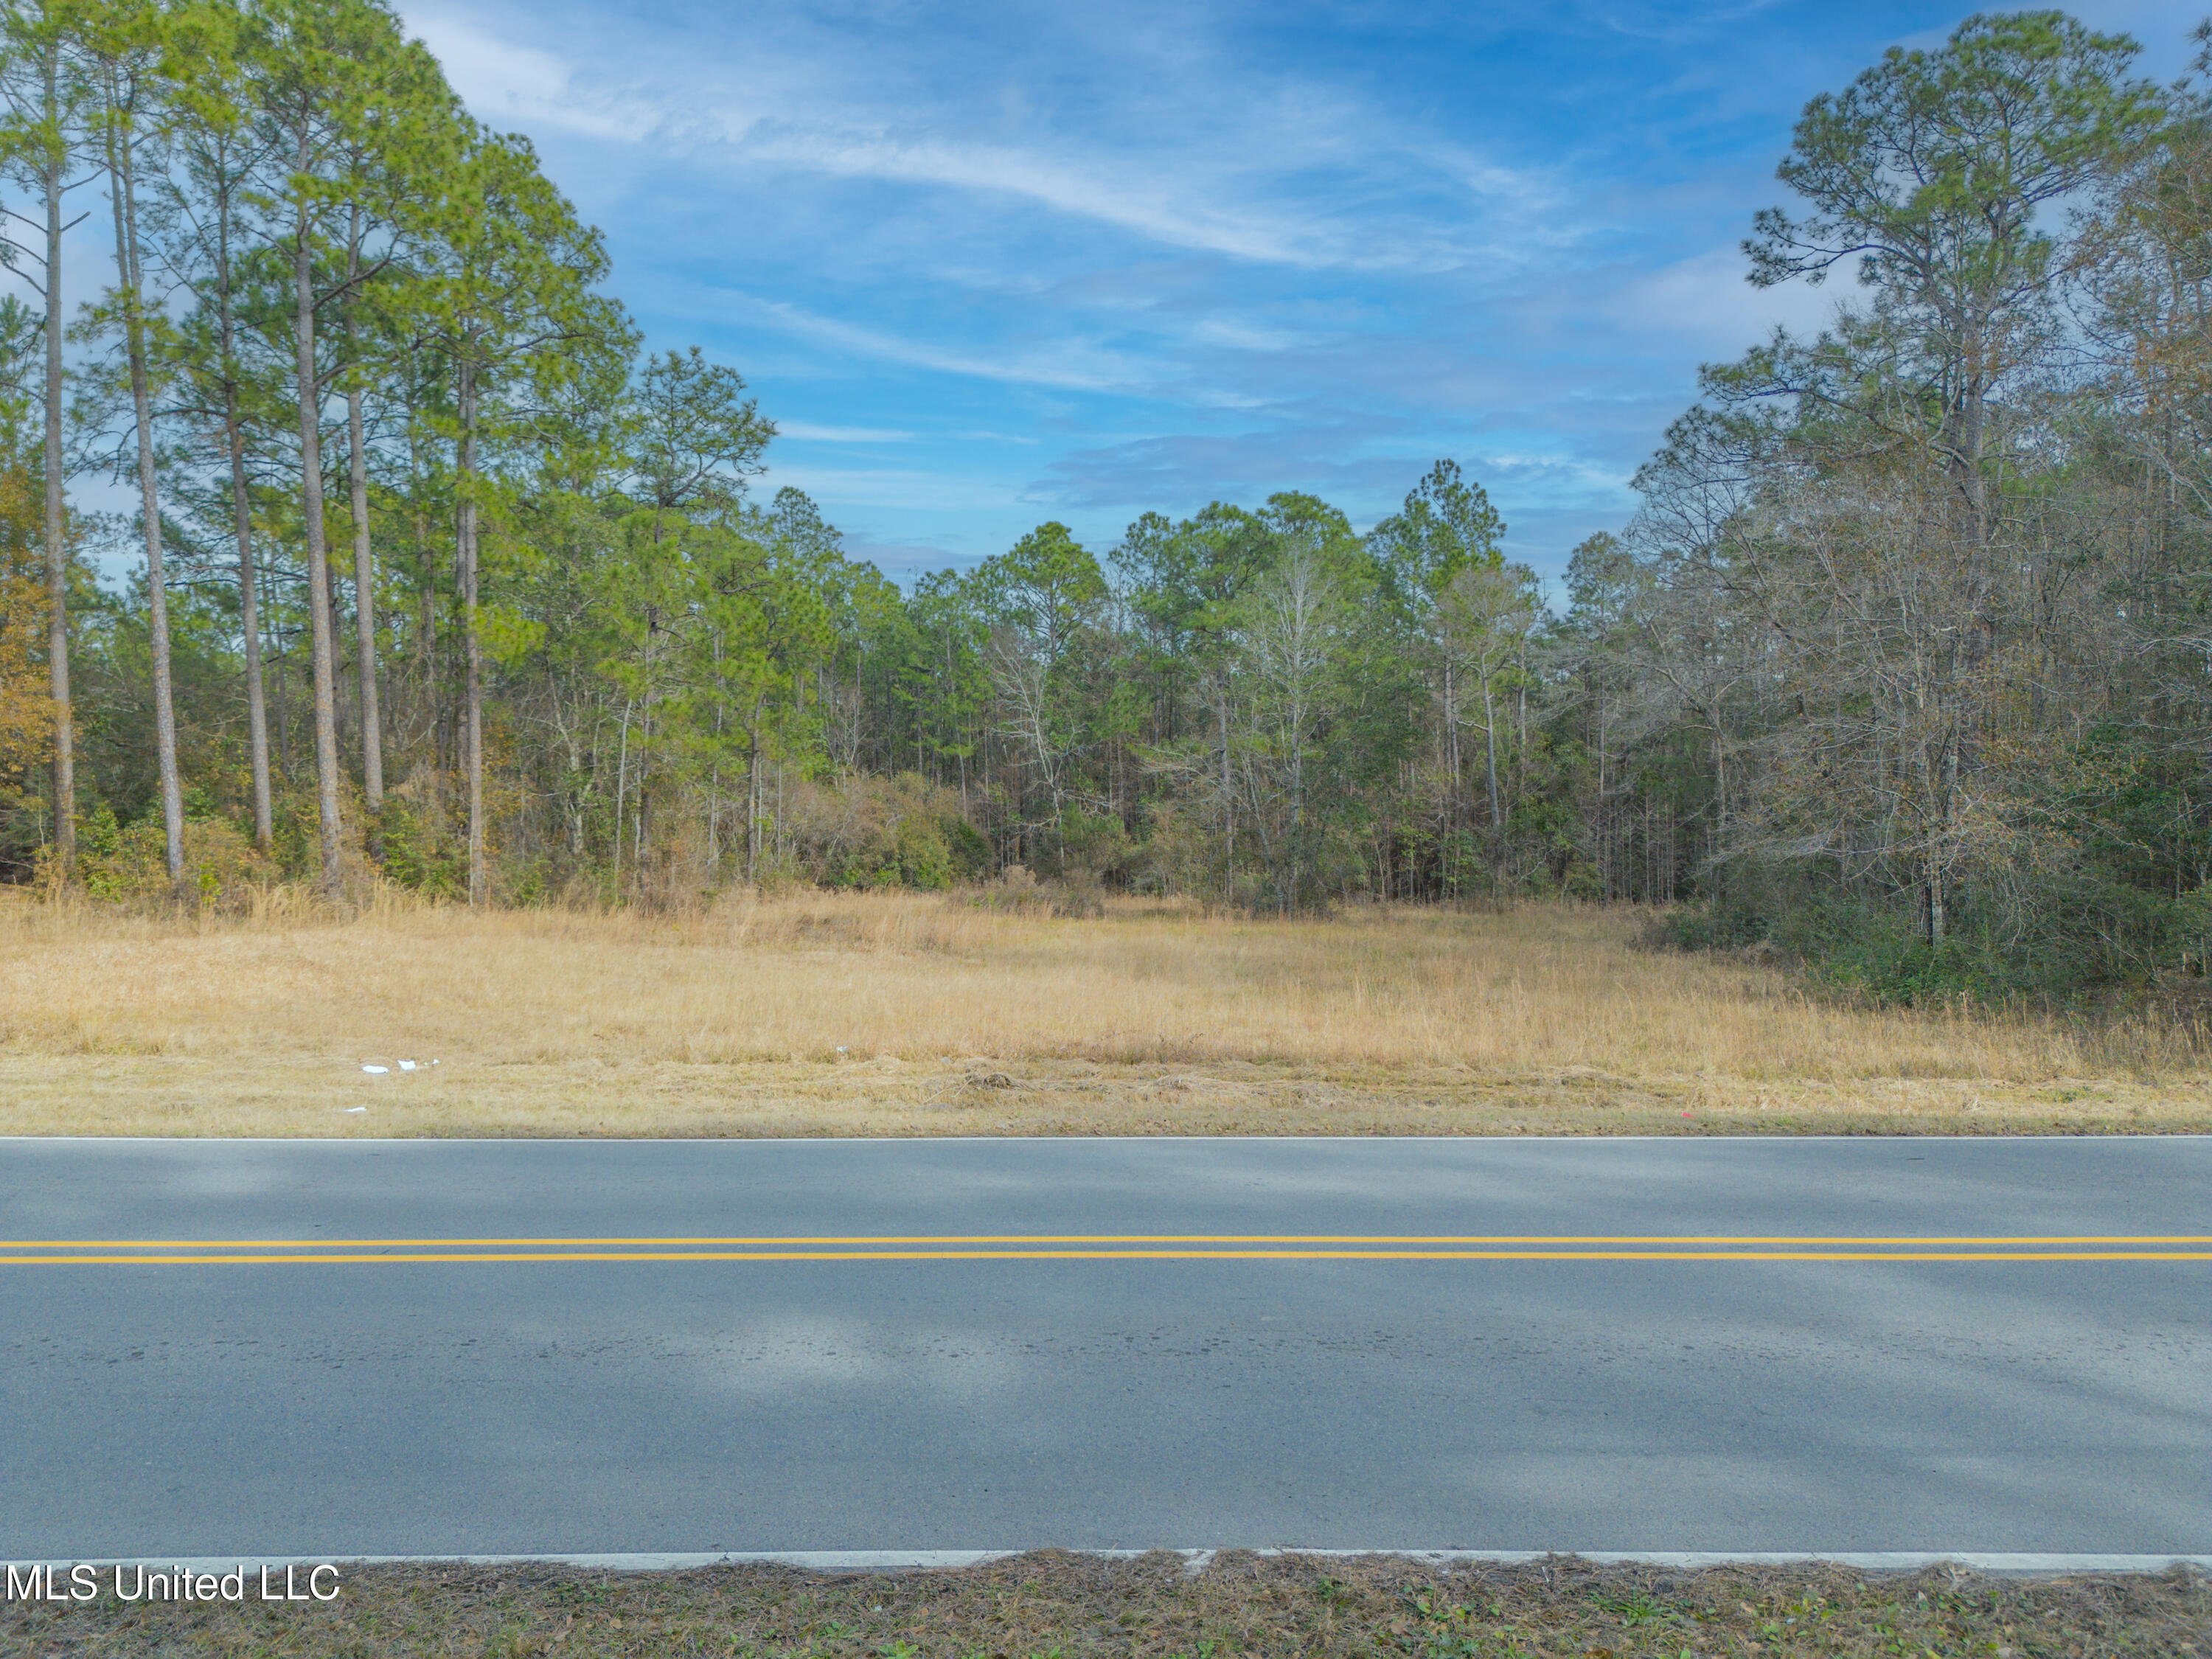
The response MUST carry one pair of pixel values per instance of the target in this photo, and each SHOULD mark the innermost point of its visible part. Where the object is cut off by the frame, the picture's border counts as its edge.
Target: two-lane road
(423, 1347)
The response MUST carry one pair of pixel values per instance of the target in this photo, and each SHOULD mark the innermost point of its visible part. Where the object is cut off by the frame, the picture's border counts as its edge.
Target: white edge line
(1194, 1559)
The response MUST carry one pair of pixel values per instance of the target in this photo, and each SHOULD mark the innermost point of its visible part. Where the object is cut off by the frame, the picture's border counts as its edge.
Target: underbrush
(2133, 967)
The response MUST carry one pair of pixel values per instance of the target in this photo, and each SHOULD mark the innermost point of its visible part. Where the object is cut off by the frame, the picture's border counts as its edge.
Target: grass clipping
(1067, 1607)
(904, 1014)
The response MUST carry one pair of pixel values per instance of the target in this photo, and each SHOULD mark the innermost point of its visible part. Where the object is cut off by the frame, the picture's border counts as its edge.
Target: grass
(1069, 1607)
(923, 1014)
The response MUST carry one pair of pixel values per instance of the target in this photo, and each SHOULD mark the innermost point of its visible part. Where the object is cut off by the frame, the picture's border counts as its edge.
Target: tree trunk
(1497, 818)
(472, 643)
(257, 705)
(1453, 818)
(640, 845)
(640, 841)
(322, 643)
(58, 655)
(364, 565)
(283, 707)
(1964, 425)
(1720, 811)
(134, 332)
(622, 789)
(364, 605)
(752, 799)
(1602, 825)
(426, 652)
(1228, 805)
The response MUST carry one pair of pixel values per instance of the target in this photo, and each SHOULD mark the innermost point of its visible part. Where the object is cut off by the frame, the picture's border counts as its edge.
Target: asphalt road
(287, 1348)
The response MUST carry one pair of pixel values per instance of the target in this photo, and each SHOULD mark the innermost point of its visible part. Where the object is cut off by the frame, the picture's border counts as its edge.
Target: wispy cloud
(1293, 181)
(1706, 297)
(811, 432)
(504, 82)
(1072, 364)
(1084, 261)
(910, 487)
(1374, 469)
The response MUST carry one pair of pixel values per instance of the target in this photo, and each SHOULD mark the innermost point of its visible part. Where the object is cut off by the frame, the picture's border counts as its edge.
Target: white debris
(406, 1065)
(376, 1071)
(356, 1108)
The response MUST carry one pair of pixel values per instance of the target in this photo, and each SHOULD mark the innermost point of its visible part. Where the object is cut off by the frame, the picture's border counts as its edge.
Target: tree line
(1928, 592)
(1901, 665)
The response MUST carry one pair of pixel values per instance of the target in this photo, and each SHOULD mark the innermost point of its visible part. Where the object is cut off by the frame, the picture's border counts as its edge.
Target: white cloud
(502, 82)
(1706, 297)
(1139, 198)
(808, 432)
(936, 227)
(1290, 180)
(1242, 334)
(899, 487)
(1073, 365)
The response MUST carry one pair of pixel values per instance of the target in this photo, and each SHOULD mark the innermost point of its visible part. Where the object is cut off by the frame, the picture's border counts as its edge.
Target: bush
(129, 862)
(1084, 846)
(865, 832)
(415, 856)
(2084, 942)
(1017, 891)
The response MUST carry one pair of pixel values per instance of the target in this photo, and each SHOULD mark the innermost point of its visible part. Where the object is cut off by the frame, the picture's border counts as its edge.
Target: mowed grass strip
(1051, 1603)
(919, 1014)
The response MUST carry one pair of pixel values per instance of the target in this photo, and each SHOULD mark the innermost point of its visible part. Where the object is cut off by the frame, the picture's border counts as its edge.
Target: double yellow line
(1101, 1247)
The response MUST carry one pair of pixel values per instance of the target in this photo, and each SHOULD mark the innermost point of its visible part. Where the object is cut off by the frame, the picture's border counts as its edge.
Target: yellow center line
(864, 1242)
(397, 1258)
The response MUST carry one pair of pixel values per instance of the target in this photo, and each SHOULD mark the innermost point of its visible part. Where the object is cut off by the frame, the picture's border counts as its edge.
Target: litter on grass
(356, 1108)
(376, 1071)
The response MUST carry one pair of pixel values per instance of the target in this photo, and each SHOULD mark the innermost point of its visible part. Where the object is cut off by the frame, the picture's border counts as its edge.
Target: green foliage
(1898, 673)
(1091, 844)
(970, 853)
(128, 862)
(677, 686)
(2087, 937)
(415, 856)
(1928, 169)
(1446, 526)
(862, 831)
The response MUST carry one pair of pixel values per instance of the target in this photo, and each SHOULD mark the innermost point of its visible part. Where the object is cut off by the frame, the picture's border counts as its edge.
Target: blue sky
(988, 264)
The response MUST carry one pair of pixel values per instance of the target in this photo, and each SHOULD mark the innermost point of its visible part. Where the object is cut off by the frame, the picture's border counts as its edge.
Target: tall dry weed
(811, 975)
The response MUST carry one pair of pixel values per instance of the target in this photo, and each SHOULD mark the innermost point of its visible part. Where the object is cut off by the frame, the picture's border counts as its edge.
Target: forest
(1902, 669)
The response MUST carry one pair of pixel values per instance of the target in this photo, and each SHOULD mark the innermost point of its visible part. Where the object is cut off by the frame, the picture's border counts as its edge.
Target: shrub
(1085, 845)
(129, 862)
(864, 831)
(417, 856)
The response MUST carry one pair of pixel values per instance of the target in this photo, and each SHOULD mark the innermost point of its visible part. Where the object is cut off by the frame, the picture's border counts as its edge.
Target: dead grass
(1073, 1606)
(906, 1014)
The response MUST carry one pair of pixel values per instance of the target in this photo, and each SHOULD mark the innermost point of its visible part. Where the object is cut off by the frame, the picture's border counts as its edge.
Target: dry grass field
(915, 1014)
(1052, 1604)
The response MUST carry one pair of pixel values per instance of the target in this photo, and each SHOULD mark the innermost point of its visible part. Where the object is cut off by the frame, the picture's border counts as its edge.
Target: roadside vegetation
(437, 581)
(1051, 1604)
(1015, 1007)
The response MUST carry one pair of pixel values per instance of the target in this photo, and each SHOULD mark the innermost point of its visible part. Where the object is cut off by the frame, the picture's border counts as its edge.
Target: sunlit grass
(1424, 1006)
